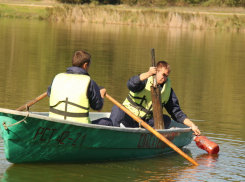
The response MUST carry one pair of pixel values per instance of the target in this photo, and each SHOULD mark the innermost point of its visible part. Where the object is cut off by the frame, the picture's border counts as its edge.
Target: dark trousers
(118, 116)
(103, 121)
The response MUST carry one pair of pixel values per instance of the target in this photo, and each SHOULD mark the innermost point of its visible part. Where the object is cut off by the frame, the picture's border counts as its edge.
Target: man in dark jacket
(74, 92)
(139, 100)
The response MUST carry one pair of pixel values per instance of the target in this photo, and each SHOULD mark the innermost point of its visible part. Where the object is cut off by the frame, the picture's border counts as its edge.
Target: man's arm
(102, 94)
(95, 100)
(194, 128)
(49, 89)
(137, 83)
(152, 71)
(173, 108)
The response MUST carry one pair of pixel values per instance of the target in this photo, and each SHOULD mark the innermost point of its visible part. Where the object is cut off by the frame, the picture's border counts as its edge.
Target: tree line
(207, 3)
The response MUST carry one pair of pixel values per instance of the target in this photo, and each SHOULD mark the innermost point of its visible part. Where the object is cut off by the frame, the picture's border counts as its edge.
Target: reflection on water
(168, 168)
(207, 76)
(134, 170)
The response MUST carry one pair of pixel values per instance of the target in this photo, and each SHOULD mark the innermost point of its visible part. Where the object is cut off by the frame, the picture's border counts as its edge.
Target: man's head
(81, 59)
(163, 71)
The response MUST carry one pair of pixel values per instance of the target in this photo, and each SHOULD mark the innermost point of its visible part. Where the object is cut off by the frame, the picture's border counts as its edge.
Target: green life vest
(68, 99)
(140, 103)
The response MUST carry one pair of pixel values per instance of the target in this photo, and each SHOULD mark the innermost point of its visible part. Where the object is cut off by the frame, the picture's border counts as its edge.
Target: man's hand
(194, 128)
(102, 92)
(152, 71)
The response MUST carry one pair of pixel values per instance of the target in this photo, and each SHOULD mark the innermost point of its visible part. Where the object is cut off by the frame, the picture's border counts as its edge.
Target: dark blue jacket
(135, 85)
(172, 106)
(95, 100)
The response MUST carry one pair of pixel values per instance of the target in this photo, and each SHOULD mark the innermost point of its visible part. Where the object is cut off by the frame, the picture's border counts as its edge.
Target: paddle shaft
(153, 65)
(32, 102)
(157, 134)
(156, 99)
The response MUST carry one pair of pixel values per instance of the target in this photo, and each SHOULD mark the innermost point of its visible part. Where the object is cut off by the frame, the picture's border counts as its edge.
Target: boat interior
(97, 115)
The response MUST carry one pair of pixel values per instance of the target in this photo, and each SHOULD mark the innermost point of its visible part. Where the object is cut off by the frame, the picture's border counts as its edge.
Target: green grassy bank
(194, 18)
(23, 11)
(176, 18)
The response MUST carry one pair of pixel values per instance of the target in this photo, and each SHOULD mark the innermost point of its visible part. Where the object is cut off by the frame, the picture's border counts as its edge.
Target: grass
(146, 17)
(16, 11)
(179, 17)
(41, 2)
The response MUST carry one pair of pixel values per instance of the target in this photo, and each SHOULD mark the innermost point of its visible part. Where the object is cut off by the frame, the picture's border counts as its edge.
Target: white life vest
(68, 99)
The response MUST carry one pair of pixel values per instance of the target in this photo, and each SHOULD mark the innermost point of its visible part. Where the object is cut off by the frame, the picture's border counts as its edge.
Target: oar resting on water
(157, 134)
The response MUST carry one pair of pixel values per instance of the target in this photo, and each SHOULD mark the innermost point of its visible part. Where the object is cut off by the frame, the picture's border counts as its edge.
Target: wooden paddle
(157, 134)
(32, 102)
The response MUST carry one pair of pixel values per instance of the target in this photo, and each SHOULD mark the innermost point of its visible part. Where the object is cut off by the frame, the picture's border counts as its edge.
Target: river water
(207, 75)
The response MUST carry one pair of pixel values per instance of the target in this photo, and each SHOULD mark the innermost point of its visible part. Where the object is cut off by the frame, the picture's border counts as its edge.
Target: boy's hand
(152, 71)
(196, 130)
(102, 92)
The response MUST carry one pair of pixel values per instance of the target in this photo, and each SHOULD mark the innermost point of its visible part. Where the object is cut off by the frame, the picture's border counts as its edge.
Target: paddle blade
(204, 143)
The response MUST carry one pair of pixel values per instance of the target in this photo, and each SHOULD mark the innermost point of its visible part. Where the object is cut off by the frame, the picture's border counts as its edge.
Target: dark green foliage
(129, 2)
(91, 1)
(242, 3)
(75, 1)
(227, 3)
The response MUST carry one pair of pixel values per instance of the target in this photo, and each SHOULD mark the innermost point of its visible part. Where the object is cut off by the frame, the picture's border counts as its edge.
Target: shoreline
(172, 17)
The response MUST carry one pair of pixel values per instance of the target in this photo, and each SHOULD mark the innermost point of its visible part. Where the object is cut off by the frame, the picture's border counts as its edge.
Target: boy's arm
(173, 108)
(49, 89)
(194, 128)
(138, 83)
(152, 71)
(95, 100)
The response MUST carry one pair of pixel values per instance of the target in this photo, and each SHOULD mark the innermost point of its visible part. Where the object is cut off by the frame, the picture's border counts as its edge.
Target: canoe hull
(47, 140)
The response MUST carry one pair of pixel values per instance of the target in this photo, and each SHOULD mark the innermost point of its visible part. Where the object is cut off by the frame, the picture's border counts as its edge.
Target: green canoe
(37, 138)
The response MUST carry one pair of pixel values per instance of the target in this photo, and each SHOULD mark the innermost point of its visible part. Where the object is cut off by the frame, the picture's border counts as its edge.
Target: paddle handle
(32, 102)
(153, 65)
(157, 134)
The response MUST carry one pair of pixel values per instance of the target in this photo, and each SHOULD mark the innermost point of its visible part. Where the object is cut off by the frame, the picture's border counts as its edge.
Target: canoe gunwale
(131, 130)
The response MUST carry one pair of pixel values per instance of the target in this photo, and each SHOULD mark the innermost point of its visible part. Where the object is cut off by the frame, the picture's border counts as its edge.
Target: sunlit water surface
(207, 75)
